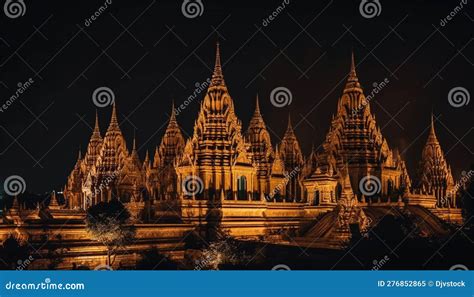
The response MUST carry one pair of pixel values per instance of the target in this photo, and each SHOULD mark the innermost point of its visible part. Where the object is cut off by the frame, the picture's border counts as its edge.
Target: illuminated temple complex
(228, 177)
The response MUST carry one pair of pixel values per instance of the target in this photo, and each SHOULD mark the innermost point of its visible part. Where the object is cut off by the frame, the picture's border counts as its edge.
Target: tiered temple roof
(261, 147)
(172, 144)
(435, 173)
(217, 138)
(114, 150)
(290, 149)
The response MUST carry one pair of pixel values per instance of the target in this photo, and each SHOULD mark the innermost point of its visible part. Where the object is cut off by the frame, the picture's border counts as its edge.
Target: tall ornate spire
(173, 123)
(113, 151)
(260, 144)
(172, 143)
(289, 128)
(93, 147)
(96, 125)
(217, 76)
(134, 154)
(352, 83)
(290, 148)
(134, 148)
(290, 153)
(146, 162)
(113, 120)
(434, 171)
(257, 106)
(432, 136)
(217, 143)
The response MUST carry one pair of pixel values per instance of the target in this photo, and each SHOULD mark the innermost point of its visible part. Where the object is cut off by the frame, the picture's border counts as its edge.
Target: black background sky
(163, 54)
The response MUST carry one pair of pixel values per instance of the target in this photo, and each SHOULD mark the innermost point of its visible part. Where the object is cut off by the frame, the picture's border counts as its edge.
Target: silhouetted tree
(108, 223)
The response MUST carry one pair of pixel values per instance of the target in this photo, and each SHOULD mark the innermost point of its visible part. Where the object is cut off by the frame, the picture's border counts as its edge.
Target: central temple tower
(215, 163)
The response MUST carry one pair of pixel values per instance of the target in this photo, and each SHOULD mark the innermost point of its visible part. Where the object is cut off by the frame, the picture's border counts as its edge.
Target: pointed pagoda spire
(432, 136)
(172, 121)
(156, 158)
(147, 157)
(113, 120)
(257, 106)
(289, 128)
(173, 112)
(134, 153)
(352, 73)
(171, 144)
(134, 149)
(217, 76)
(352, 83)
(96, 125)
(277, 151)
(79, 154)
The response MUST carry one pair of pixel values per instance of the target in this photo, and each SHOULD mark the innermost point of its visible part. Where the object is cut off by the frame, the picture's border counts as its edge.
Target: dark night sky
(165, 54)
